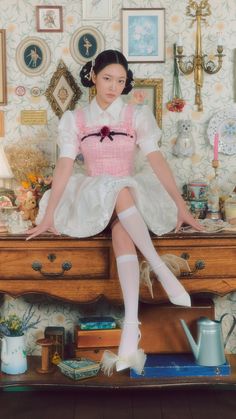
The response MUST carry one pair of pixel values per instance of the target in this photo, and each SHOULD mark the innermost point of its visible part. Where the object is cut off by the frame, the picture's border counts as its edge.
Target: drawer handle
(199, 265)
(37, 266)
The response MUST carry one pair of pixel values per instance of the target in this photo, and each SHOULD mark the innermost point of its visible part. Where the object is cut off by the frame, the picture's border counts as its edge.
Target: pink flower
(105, 131)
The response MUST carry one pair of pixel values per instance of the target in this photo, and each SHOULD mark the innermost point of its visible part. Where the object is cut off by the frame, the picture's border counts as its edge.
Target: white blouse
(147, 131)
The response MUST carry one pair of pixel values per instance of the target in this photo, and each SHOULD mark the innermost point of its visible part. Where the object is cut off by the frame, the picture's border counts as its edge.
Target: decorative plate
(85, 44)
(224, 123)
(33, 56)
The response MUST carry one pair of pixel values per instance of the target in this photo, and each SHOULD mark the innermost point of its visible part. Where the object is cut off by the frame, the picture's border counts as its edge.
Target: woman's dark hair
(103, 59)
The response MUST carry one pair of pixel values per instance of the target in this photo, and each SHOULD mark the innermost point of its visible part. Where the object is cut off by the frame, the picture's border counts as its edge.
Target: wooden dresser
(83, 270)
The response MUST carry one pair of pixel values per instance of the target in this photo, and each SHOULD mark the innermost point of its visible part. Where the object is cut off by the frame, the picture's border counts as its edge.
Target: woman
(108, 132)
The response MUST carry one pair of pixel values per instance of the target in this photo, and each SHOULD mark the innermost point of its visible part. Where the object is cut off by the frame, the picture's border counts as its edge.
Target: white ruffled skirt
(87, 203)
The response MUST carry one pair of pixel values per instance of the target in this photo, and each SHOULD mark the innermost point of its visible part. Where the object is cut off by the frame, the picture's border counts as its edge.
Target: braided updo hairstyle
(103, 59)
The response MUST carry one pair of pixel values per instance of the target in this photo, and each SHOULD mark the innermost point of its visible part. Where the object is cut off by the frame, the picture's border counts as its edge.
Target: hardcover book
(178, 365)
(95, 323)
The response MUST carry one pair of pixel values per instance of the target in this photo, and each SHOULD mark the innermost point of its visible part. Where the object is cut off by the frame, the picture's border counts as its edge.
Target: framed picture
(49, 19)
(3, 72)
(143, 35)
(145, 92)
(2, 129)
(63, 91)
(33, 56)
(85, 44)
(97, 10)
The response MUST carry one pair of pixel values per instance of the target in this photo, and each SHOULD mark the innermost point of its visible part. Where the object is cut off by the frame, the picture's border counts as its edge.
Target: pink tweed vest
(108, 149)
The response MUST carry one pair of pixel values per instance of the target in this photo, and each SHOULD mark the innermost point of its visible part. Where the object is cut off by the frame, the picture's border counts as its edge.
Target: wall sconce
(199, 63)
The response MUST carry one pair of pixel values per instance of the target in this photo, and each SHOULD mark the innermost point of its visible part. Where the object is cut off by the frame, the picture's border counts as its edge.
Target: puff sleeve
(147, 131)
(68, 136)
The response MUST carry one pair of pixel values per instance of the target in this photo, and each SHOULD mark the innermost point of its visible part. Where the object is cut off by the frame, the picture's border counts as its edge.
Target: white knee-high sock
(134, 224)
(128, 272)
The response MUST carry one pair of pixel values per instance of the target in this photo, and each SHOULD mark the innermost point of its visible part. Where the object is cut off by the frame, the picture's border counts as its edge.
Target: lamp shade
(5, 170)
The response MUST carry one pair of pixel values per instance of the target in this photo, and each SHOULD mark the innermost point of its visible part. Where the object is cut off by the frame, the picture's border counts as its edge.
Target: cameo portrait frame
(86, 43)
(33, 56)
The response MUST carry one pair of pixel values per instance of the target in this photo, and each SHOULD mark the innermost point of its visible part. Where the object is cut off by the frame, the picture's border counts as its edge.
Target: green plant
(13, 325)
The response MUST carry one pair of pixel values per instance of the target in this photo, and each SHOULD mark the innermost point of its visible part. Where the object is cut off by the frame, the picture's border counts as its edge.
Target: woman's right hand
(45, 225)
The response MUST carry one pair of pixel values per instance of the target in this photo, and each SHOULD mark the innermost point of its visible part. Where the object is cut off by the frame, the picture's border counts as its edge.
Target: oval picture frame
(33, 56)
(86, 43)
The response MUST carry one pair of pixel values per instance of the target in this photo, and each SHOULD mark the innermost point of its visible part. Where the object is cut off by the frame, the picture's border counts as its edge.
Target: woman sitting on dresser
(108, 132)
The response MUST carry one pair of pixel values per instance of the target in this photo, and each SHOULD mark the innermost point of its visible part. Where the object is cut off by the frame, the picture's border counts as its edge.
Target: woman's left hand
(185, 217)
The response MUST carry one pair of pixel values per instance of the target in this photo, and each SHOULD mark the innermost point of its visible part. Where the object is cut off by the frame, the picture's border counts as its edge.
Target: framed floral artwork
(145, 92)
(143, 35)
(63, 92)
(3, 67)
(86, 43)
(97, 9)
(49, 19)
(33, 56)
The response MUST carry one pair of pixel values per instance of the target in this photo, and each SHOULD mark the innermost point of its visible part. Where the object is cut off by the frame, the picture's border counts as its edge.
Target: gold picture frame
(3, 68)
(145, 92)
(63, 92)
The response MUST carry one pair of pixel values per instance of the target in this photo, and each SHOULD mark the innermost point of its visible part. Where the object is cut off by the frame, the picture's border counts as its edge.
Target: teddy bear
(29, 208)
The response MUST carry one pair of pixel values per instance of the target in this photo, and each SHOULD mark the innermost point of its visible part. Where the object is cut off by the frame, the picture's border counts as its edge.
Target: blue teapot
(209, 349)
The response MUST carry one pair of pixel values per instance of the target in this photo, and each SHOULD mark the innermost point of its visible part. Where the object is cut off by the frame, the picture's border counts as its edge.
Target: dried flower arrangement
(24, 158)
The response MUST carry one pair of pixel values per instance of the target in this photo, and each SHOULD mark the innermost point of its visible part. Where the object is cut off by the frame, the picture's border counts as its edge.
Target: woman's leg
(128, 273)
(135, 226)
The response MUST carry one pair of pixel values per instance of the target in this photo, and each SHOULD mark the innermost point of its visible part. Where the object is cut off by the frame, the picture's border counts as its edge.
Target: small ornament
(184, 146)
(20, 90)
(35, 91)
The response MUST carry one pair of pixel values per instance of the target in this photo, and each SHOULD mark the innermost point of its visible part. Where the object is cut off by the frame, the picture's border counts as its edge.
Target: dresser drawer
(210, 261)
(60, 263)
(97, 338)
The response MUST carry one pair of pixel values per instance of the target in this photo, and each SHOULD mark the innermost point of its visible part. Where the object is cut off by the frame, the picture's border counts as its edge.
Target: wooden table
(84, 270)
(117, 381)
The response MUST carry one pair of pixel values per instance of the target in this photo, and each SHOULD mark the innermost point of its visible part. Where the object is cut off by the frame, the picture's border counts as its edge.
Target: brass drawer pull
(199, 265)
(37, 266)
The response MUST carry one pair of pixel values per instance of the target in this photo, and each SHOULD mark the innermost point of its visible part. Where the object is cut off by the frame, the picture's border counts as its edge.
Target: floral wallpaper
(18, 17)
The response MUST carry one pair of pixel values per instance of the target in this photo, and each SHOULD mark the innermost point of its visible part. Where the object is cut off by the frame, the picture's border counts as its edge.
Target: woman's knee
(124, 200)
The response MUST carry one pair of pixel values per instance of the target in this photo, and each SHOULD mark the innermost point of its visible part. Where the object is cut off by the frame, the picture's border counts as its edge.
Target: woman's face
(110, 83)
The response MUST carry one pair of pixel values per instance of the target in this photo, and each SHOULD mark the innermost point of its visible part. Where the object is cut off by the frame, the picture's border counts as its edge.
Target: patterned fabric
(106, 153)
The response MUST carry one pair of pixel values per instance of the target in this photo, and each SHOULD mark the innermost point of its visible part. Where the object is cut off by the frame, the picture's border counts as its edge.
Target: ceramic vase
(13, 355)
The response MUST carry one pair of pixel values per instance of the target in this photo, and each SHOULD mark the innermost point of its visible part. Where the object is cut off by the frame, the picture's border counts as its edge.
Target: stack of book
(93, 335)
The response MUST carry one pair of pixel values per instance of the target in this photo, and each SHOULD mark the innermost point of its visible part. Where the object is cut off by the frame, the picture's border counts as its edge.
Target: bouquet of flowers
(13, 325)
(37, 184)
(176, 103)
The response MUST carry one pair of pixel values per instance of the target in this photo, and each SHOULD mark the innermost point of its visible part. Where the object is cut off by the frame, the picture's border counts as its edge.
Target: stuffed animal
(29, 208)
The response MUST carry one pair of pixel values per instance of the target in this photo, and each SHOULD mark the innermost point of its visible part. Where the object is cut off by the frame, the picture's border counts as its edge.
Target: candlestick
(220, 40)
(180, 41)
(216, 146)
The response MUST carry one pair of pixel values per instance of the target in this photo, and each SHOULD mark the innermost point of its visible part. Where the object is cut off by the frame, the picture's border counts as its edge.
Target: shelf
(118, 381)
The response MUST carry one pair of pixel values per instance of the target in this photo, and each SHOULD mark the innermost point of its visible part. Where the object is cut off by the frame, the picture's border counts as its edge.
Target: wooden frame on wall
(3, 68)
(99, 10)
(49, 19)
(143, 35)
(145, 92)
(63, 92)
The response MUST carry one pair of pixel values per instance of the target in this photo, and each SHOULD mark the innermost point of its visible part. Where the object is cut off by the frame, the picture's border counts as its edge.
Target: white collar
(113, 110)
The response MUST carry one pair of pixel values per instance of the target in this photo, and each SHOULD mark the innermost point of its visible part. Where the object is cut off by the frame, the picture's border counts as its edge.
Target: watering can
(209, 348)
